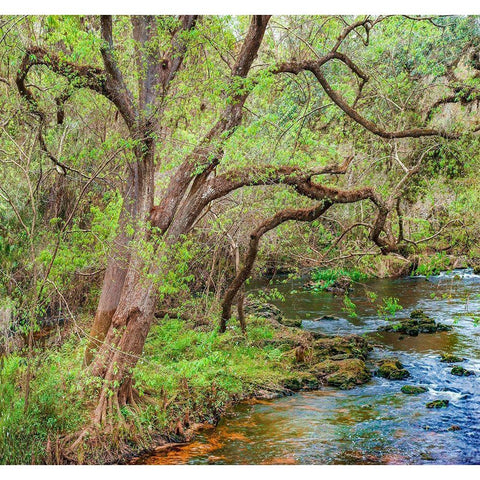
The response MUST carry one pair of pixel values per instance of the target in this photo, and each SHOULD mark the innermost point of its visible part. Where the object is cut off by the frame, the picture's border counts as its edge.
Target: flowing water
(374, 423)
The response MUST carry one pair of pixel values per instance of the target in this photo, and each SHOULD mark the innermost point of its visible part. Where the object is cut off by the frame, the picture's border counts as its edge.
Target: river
(374, 423)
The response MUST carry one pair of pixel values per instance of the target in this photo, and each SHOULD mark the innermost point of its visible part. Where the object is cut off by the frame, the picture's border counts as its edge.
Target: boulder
(350, 346)
(461, 372)
(344, 374)
(263, 310)
(341, 286)
(450, 358)
(419, 322)
(302, 382)
(324, 318)
(291, 322)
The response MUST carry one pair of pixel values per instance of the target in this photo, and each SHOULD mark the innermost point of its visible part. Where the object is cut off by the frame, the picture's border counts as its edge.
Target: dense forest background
(149, 166)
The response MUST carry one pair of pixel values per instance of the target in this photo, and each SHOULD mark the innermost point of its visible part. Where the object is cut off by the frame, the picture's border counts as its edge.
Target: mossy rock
(450, 358)
(392, 369)
(263, 310)
(441, 327)
(461, 372)
(304, 381)
(344, 374)
(453, 428)
(324, 317)
(413, 390)
(340, 286)
(291, 322)
(476, 270)
(420, 323)
(350, 346)
(419, 314)
(438, 404)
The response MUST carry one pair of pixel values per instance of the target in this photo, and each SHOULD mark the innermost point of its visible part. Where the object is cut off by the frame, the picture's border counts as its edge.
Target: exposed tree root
(105, 429)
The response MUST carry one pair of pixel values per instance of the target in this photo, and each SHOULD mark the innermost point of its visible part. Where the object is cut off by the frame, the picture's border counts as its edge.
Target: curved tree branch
(300, 215)
(207, 154)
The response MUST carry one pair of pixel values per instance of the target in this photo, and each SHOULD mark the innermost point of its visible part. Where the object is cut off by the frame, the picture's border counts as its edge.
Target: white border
(242, 7)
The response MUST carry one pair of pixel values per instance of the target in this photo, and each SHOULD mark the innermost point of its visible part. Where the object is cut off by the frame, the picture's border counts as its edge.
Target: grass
(56, 403)
(186, 376)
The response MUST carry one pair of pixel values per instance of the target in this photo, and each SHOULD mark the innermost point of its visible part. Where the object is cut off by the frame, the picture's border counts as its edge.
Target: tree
(154, 221)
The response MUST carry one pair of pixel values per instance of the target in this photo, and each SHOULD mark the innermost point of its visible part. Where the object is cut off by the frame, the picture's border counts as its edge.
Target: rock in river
(461, 372)
(438, 404)
(344, 374)
(450, 358)
(392, 369)
(413, 390)
(418, 322)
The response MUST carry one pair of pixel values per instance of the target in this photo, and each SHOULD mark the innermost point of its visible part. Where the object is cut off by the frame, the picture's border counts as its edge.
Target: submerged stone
(426, 456)
(392, 369)
(461, 372)
(453, 428)
(413, 390)
(450, 358)
(438, 404)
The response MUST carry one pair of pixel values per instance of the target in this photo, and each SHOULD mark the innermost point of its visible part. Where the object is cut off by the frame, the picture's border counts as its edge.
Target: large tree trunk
(125, 339)
(123, 344)
(112, 286)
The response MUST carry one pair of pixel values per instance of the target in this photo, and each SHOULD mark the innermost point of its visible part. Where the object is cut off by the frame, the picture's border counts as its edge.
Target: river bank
(191, 376)
(376, 423)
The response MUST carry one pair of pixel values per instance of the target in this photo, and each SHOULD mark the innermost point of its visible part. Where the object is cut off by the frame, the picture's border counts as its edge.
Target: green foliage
(389, 308)
(184, 372)
(349, 307)
(175, 356)
(57, 402)
(323, 279)
(433, 265)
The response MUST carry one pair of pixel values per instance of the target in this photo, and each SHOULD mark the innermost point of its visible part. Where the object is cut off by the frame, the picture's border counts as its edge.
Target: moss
(344, 374)
(438, 404)
(305, 381)
(418, 314)
(263, 310)
(450, 358)
(461, 372)
(290, 322)
(413, 390)
(418, 322)
(351, 346)
(392, 369)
